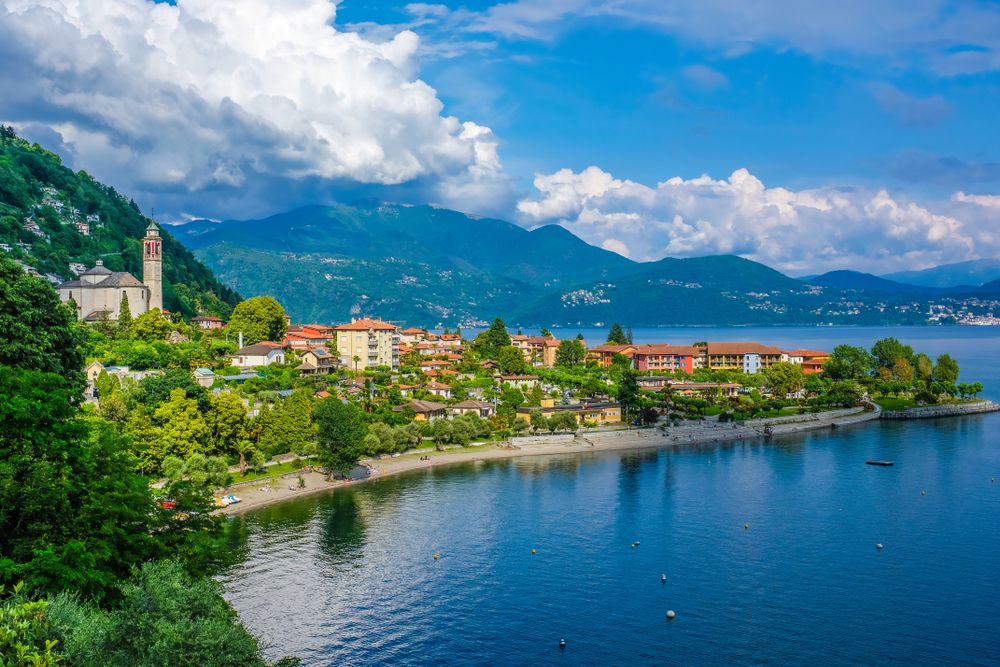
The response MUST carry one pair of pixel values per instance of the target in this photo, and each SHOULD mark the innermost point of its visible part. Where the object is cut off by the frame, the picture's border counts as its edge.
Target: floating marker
(709, 461)
(671, 614)
(878, 546)
(746, 526)
(532, 551)
(663, 578)
(435, 556)
(633, 546)
(921, 493)
(638, 543)
(562, 643)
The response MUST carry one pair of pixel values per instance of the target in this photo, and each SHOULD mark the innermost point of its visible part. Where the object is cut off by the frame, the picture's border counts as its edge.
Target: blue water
(348, 577)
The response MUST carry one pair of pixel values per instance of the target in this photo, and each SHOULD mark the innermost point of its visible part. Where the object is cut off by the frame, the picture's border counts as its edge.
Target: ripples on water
(348, 577)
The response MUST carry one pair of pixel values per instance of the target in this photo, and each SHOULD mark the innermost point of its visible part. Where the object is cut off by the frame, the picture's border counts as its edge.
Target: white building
(261, 354)
(100, 290)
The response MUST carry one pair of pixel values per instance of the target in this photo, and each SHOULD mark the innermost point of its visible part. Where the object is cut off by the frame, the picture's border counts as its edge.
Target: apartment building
(747, 357)
(603, 354)
(669, 358)
(374, 342)
(309, 335)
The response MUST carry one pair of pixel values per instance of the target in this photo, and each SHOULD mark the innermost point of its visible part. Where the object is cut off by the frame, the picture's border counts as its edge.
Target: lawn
(278, 469)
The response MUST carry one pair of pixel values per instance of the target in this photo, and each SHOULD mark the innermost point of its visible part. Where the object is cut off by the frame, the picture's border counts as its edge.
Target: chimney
(100, 262)
(241, 341)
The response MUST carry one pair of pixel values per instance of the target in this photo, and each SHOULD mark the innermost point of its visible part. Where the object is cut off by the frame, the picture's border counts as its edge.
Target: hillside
(975, 272)
(865, 281)
(36, 187)
(448, 239)
(314, 287)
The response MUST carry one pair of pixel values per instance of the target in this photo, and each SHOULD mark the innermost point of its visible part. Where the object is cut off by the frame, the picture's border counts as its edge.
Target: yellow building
(373, 342)
(602, 413)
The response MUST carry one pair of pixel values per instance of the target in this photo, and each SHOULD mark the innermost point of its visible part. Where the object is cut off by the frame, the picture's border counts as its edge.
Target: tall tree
(849, 363)
(616, 336)
(511, 360)
(158, 388)
(184, 431)
(150, 327)
(124, 315)
(946, 369)
(785, 378)
(260, 318)
(36, 331)
(888, 350)
(628, 336)
(628, 394)
(570, 353)
(493, 340)
(226, 420)
(340, 430)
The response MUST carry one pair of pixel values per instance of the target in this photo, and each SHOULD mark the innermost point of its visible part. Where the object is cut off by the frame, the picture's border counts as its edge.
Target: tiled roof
(411, 331)
(259, 348)
(436, 385)
(472, 405)
(426, 406)
(612, 348)
(741, 348)
(678, 350)
(808, 353)
(206, 318)
(116, 279)
(507, 378)
(366, 324)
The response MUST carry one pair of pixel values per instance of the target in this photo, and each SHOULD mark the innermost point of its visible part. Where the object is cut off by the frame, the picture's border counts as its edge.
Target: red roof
(677, 350)
(808, 353)
(412, 330)
(436, 385)
(435, 362)
(206, 318)
(365, 324)
(741, 348)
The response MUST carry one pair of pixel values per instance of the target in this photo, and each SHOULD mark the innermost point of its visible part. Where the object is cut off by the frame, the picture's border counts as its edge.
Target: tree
(570, 353)
(520, 426)
(124, 315)
(36, 331)
(102, 384)
(785, 378)
(701, 343)
(259, 318)
(888, 350)
(946, 369)
(184, 432)
(538, 421)
(441, 431)
(151, 326)
(903, 371)
(226, 420)
(158, 388)
(535, 399)
(512, 397)
(628, 393)
(848, 363)
(356, 359)
(616, 336)
(620, 360)
(242, 448)
(25, 631)
(341, 431)
(628, 336)
(511, 360)
(545, 333)
(925, 370)
(490, 342)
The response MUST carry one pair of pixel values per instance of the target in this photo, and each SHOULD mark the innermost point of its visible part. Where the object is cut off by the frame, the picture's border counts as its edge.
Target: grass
(271, 470)
(897, 404)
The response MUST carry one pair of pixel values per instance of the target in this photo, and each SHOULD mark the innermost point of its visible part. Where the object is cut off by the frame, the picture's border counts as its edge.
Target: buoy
(746, 526)
(532, 551)
(663, 578)
(709, 461)
(638, 543)
(435, 556)
(562, 643)
(921, 493)
(671, 614)
(878, 546)
(633, 546)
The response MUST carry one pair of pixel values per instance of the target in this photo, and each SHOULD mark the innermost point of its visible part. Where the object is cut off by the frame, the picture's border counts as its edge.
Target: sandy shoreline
(252, 498)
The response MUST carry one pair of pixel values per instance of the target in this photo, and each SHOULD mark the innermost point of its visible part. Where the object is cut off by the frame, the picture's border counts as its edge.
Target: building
(522, 382)
(727, 390)
(372, 342)
(600, 412)
(669, 358)
(438, 389)
(309, 335)
(537, 350)
(603, 354)
(261, 354)
(434, 364)
(481, 408)
(811, 360)
(426, 410)
(207, 322)
(749, 358)
(316, 361)
(412, 335)
(152, 265)
(100, 290)
(205, 377)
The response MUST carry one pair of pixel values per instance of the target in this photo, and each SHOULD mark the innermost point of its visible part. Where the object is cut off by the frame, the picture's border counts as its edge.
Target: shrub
(926, 396)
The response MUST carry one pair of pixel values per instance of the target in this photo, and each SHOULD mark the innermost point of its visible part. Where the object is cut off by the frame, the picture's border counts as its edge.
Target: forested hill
(35, 186)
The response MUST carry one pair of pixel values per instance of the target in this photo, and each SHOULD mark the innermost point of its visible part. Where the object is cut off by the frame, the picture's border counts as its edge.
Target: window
(358, 339)
(358, 350)
(343, 339)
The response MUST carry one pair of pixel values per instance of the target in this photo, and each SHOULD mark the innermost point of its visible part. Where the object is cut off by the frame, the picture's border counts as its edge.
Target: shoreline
(606, 441)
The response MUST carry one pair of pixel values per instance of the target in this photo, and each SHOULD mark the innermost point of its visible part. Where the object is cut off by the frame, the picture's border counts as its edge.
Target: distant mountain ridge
(866, 281)
(974, 272)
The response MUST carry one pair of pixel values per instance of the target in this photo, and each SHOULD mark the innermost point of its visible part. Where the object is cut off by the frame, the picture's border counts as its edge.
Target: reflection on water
(349, 578)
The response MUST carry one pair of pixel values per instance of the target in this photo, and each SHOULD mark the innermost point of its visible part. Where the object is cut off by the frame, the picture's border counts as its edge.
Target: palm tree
(243, 447)
(356, 360)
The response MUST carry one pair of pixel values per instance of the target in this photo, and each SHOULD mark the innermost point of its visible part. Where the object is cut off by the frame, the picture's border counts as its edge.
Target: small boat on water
(880, 463)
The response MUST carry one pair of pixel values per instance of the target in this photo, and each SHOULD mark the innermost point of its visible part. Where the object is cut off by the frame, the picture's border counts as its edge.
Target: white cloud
(808, 231)
(982, 200)
(219, 95)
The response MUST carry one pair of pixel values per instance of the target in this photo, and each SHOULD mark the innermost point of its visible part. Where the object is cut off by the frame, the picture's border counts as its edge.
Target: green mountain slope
(314, 287)
(36, 187)
(440, 237)
(974, 272)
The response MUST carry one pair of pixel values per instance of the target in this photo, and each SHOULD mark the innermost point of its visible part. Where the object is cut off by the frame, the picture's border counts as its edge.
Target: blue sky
(834, 135)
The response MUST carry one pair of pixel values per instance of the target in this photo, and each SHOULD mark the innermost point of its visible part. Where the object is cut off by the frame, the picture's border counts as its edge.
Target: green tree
(545, 333)
(570, 353)
(124, 315)
(925, 370)
(535, 399)
(36, 331)
(151, 326)
(341, 431)
(242, 448)
(849, 363)
(628, 336)
(102, 384)
(492, 340)
(903, 371)
(511, 360)
(888, 350)
(785, 378)
(946, 369)
(512, 397)
(616, 336)
(226, 420)
(629, 394)
(25, 632)
(260, 318)
(441, 431)
(158, 388)
(184, 431)
(538, 421)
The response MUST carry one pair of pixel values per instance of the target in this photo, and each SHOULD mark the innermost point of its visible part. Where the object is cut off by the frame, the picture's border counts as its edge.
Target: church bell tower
(152, 266)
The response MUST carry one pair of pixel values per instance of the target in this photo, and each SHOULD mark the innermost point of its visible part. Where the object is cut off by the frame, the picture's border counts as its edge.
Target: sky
(809, 136)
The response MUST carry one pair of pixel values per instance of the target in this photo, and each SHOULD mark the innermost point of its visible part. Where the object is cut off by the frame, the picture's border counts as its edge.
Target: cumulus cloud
(225, 97)
(807, 231)
(908, 110)
(992, 201)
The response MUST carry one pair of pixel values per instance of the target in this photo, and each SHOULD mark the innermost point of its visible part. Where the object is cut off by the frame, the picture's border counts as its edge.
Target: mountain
(865, 281)
(35, 187)
(373, 230)
(975, 272)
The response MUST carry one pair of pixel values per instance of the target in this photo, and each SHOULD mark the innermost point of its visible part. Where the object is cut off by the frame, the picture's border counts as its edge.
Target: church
(100, 290)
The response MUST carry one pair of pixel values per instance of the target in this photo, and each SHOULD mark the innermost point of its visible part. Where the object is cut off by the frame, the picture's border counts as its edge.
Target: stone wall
(934, 411)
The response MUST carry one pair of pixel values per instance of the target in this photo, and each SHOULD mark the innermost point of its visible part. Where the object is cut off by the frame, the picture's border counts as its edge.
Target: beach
(690, 433)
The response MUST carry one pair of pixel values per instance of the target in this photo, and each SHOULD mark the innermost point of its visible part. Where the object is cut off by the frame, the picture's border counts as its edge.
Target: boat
(880, 463)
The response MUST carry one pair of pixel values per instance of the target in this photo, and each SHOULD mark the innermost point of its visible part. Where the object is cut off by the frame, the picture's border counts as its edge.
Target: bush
(927, 396)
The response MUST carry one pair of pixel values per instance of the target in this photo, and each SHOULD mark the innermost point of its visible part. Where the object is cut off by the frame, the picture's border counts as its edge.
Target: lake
(349, 577)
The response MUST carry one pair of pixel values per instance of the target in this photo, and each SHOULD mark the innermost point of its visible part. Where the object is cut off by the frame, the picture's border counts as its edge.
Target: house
(412, 335)
(93, 369)
(669, 358)
(490, 363)
(537, 350)
(603, 354)
(316, 361)
(261, 354)
(309, 335)
(323, 394)
(521, 382)
(204, 377)
(4, 246)
(747, 357)
(727, 390)
(433, 364)
(811, 360)
(100, 290)
(372, 342)
(482, 408)
(207, 322)
(450, 341)
(241, 378)
(438, 389)
(83, 228)
(426, 410)
(443, 374)
(356, 383)
(598, 411)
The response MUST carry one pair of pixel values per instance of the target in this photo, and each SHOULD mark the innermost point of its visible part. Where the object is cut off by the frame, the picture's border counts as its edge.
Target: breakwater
(934, 411)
